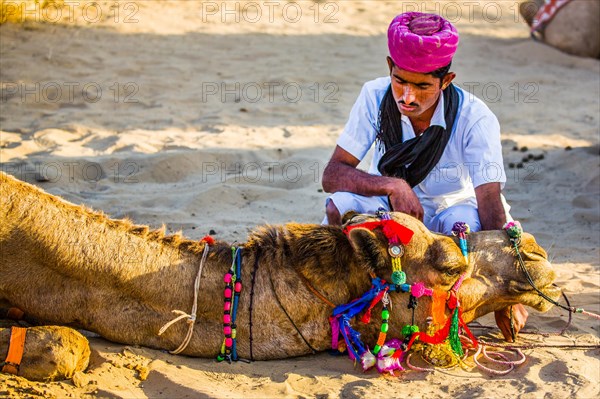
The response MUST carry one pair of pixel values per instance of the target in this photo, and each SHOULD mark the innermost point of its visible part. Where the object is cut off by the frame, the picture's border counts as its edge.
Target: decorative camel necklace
(387, 356)
(444, 347)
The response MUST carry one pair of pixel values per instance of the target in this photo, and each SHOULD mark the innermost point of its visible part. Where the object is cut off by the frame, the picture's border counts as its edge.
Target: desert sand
(218, 117)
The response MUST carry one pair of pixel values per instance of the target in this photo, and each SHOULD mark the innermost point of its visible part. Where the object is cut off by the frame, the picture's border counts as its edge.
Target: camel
(67, 265)
(574, 29)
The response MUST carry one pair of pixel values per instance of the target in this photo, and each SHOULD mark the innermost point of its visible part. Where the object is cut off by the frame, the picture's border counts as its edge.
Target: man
(437, 153)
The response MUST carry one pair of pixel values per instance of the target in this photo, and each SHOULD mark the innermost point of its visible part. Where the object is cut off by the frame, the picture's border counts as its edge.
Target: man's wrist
(394, 185)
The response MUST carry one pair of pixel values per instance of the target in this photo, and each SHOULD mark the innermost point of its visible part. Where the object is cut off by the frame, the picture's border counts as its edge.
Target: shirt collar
(438, 117)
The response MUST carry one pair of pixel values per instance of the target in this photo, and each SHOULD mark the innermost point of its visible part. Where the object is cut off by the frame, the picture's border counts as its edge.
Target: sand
(176, 113)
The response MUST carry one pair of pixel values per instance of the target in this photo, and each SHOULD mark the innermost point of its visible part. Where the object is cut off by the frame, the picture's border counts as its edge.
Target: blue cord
(236, 298)
(347, 311)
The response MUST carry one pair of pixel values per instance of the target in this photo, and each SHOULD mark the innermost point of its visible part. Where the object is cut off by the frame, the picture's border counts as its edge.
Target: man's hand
(503, 320)
(403, 199)
(341, 174)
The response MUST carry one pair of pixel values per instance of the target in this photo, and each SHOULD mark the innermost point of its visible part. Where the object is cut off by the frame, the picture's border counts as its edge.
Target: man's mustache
(410, 105)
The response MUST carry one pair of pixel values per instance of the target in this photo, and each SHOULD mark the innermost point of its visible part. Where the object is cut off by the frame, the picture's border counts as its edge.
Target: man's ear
(390, 63)
(369, 249)
(448, 78)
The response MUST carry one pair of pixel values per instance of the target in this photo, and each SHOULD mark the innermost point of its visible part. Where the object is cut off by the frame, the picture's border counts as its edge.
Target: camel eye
(451, 272)
(453, 269)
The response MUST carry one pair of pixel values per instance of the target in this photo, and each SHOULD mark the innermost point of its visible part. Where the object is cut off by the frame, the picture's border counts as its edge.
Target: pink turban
(421, 42)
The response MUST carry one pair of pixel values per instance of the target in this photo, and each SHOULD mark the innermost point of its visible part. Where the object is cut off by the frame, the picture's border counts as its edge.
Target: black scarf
(423, 152)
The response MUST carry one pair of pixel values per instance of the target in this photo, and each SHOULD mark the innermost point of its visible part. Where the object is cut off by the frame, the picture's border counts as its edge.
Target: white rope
(191, 318)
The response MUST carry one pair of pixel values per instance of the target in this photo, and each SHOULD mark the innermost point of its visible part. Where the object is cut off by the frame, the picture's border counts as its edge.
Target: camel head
(494, 278)
(497, 278)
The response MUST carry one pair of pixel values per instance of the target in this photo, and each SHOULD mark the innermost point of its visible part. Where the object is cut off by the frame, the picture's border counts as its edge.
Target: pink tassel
(389, 365)
(368, 360)
(388, 359)
(418, 290)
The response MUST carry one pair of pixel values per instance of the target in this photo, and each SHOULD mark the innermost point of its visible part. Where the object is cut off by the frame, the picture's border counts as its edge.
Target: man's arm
(341, 174)
(492, 215)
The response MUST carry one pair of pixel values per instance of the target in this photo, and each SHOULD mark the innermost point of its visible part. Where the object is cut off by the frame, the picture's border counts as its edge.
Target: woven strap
(15, 350)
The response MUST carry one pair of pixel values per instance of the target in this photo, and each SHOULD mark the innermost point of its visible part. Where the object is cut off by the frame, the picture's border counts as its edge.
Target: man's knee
(333, 214)
(443, 222)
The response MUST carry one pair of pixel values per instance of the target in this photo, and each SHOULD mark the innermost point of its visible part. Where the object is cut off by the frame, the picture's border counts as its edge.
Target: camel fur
(67, 265)
(50, 353)
(574, 29)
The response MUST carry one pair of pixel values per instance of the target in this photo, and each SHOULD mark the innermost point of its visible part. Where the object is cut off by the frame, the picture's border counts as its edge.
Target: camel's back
(13, 194)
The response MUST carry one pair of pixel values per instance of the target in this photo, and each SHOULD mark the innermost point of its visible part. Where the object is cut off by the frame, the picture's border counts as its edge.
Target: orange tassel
(381, 339)
(438, 308)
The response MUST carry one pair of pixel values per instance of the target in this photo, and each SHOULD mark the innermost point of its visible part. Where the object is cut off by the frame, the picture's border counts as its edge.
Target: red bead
(227, 278)
(228, 342)
(227, 306)
(227, 292)
(226, 318)
(227, 330)
(238, 286)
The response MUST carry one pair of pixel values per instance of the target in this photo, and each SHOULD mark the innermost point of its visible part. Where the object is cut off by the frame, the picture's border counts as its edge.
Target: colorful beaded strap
(460, 230)
(396, 250)
(233, 288)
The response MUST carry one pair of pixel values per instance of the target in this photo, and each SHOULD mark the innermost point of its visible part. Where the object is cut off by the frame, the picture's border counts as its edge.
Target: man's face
(416, 94)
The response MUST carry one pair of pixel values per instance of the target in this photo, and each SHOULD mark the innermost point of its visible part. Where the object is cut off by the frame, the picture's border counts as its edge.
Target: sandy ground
(211, 116)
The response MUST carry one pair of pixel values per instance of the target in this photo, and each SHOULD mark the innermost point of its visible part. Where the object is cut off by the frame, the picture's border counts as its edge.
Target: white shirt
(472, 157)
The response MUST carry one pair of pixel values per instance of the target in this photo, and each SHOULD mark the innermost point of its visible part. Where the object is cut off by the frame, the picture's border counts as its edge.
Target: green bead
(376, 349)
(398, 277)
(384, 327)
(385, 314)
(409, 329)
(406, 330)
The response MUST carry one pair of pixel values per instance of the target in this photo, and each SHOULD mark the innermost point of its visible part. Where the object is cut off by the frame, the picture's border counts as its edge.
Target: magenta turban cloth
(421, 42)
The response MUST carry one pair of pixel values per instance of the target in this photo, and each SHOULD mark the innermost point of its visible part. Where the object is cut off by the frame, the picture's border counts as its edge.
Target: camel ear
(370, 250)
(348, 216)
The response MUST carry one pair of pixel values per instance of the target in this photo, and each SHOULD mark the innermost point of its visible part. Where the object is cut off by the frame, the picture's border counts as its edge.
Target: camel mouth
(538, 275)
(538, 302)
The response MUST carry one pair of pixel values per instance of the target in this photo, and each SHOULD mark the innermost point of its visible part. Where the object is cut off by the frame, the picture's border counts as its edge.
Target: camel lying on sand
(574, 29)
(67, 265)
